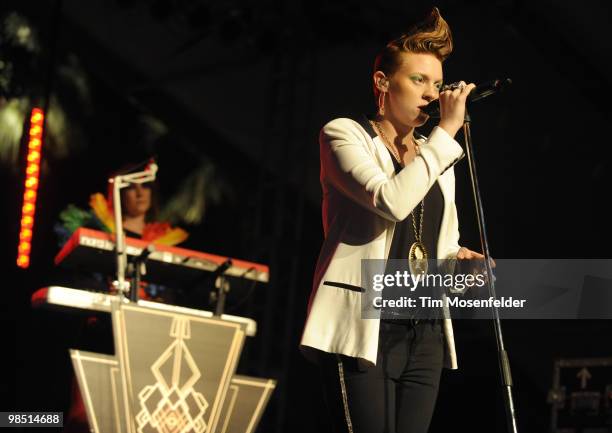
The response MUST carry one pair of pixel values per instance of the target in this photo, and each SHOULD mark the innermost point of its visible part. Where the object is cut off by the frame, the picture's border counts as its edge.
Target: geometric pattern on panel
(171, 405)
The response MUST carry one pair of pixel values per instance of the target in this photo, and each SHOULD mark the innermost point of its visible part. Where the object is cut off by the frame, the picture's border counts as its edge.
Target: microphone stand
(123, 286)
(138, 269)
(501, 349)
(222, 284)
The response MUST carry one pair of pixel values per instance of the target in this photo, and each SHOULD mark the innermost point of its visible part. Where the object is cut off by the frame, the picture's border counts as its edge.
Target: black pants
(398, 394)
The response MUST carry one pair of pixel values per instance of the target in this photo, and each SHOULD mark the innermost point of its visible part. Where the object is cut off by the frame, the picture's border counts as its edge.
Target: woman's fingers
(467, 254)
(462, 253)
(452, 106)
(467, 89)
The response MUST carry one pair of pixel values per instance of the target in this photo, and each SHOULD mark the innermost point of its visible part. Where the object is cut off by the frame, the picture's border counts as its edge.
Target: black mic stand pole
(222, 284)
(501, 349)
(138, 268)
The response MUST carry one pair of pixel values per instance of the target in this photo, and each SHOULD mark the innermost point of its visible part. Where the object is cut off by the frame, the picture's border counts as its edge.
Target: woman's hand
(474, 268)
(452, 107)
(467, 254)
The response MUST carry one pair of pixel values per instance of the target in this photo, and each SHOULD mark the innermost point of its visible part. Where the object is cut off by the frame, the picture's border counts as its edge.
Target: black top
(404, 237)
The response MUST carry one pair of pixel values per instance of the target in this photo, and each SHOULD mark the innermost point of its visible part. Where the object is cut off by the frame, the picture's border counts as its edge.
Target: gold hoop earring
(381, 104)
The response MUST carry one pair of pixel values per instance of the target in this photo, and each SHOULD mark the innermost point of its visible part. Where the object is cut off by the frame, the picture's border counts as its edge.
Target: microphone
(479, 92)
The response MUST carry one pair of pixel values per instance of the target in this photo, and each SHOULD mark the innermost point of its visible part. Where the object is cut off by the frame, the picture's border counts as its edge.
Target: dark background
(243, 87)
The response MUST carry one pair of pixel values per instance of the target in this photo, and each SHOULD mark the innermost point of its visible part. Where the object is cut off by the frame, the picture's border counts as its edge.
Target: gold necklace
(388, 143)
(417, 255)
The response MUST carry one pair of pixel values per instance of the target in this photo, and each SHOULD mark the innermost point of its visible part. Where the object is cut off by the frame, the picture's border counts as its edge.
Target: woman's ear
(381, 81)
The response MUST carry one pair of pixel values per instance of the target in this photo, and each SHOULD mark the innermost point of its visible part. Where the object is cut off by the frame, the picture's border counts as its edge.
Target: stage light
(32, 172)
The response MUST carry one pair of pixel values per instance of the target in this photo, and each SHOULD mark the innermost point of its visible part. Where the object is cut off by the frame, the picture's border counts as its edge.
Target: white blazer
(363, 198)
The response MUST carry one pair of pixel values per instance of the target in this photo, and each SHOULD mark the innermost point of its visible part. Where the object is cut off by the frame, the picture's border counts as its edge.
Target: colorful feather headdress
(100, 216)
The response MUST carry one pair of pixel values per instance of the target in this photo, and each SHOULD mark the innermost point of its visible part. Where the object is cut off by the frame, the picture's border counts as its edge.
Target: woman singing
(387, 194)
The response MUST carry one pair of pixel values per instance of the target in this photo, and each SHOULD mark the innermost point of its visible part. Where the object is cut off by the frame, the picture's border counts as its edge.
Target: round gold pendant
(417, 259)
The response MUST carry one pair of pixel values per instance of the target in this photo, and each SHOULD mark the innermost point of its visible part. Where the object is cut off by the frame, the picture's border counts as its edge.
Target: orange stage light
(28, 208)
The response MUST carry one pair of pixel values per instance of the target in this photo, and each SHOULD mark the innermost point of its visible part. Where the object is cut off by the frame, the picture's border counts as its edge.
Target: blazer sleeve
(350, 166)
(454, 247)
